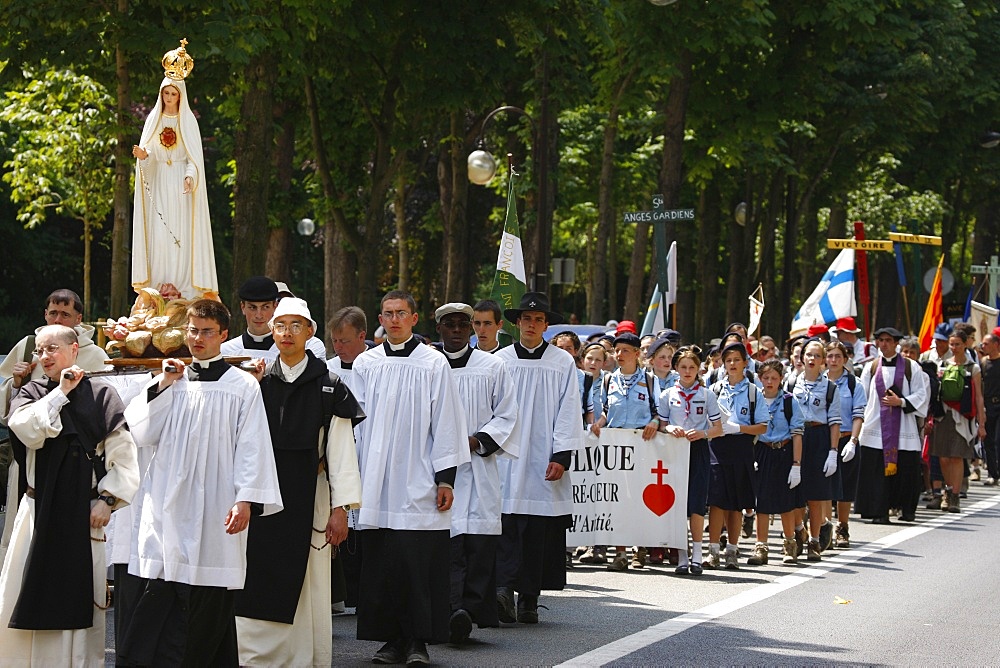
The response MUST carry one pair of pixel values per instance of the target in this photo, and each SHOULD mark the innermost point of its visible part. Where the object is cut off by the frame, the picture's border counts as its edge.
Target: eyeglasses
(394, 315)
(194, 332)
(51, 349)
(295, 328)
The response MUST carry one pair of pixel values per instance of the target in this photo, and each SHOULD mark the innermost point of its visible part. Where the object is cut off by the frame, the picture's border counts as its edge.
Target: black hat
(739, 347)
(891, 331)
(655, 346)
(259, 289)
(671, 335)
(627, 338)
(533, 301)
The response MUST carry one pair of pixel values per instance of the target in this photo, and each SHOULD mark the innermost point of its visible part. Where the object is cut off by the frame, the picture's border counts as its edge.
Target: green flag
(509, 282)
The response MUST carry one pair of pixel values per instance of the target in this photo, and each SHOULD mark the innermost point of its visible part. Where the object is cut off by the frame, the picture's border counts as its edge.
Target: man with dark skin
(487, 396)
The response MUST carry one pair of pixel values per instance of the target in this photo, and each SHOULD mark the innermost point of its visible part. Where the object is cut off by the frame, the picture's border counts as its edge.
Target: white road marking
(671, 627)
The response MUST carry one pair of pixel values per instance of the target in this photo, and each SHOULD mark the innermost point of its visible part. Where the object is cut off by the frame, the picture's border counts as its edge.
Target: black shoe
(505, 605)
(682, 570)
(527, 609)
(908, 517)
(695, 568)
(459, 627)
(416, 653)
(747, 528)
(825, 536)
(390, 653)
(880, 520)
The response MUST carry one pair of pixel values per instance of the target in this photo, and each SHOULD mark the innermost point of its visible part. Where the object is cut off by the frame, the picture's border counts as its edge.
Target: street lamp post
(482, 168)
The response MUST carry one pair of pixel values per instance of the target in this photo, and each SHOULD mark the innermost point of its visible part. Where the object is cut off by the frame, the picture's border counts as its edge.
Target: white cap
(292, 306)
(283, 290)
(453, 307)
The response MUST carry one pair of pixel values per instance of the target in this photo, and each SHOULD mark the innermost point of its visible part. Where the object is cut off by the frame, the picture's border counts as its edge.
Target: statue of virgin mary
(171, 230)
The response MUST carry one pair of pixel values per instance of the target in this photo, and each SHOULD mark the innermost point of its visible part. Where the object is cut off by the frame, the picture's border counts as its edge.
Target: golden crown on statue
(177, 64)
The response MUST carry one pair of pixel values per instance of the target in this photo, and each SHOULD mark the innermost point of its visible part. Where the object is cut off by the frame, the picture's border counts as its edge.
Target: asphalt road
(906, 594)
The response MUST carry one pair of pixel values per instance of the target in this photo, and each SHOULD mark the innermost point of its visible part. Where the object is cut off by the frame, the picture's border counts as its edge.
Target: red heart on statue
(658, 498)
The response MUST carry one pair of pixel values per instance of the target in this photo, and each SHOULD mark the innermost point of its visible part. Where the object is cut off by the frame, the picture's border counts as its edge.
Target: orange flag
(935, 310)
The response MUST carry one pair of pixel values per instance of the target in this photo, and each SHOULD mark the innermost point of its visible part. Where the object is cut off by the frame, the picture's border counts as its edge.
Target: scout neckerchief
(688, 397)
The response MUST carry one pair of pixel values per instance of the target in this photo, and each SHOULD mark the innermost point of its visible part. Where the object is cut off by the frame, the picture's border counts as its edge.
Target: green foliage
(60, 134)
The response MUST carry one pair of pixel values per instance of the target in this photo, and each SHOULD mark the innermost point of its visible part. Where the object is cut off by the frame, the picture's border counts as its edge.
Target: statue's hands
(137, 152)
(188, 184)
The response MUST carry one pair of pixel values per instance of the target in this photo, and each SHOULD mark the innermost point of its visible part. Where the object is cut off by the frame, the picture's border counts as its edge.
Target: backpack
(715, 375)
(952, 383)
(650, 384)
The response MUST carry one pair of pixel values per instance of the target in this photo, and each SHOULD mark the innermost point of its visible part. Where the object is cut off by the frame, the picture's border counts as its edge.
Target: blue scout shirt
(627, 405)
(780, 429)
(853, 405)
(734, 401)
(812, 397)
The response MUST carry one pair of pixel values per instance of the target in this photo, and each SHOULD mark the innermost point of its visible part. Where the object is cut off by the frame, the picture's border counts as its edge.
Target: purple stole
(890, 417)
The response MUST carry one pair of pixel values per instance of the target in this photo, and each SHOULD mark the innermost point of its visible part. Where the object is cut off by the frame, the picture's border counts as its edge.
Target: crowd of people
(241, 505)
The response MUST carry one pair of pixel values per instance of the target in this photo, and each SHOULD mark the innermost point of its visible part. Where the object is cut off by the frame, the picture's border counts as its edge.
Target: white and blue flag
(832, 299)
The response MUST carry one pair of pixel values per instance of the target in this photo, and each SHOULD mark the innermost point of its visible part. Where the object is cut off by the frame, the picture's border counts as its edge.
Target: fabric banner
(984, 318)
(509, 280)
(627, 491)
(756, 309)
(656, 313)
(934, 313)
(832, 299)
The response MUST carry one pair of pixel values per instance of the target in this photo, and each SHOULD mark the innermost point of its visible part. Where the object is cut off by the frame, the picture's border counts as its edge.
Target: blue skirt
(732, 484)
(847, 472)
(815, 448)
(773, 495)
(699, 472)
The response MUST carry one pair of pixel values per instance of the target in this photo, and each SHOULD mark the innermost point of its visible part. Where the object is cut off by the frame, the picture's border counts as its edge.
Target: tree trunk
(597, 299)
(276, 266)
(252, 153)
(707, 322)
(120, 231)
(402, 234)
(671, 170)
(86, 270)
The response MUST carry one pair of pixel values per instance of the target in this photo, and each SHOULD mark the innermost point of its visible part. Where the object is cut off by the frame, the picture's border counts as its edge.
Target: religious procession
(194, 484)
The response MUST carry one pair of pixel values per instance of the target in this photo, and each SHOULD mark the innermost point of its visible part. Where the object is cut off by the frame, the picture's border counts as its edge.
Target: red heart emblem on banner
(658, 498)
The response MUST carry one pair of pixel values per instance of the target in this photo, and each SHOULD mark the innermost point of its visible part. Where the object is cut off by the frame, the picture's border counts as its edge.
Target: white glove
(830, 467)
(794, 476)
(729, 427)
(847, 454)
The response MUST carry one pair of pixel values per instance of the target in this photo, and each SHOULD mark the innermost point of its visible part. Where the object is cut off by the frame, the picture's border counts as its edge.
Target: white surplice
(548, 399)
(916, 392)
(77, 647)
(487, 394)
(212, 449)
(414, 428)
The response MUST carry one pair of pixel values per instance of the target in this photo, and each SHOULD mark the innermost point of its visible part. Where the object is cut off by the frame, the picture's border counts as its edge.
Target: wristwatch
(108, 499)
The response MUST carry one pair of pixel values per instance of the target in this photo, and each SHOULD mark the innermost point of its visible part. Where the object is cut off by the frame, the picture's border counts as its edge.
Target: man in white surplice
(537, 492)
(487, 393)
(212, 460)
(411, 443)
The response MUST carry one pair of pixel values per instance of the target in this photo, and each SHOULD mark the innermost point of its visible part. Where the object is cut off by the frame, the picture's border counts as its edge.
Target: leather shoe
(459, 627)
(527, 609)
(416, 653)
(505, 605)
(390, 653)
(880, 520)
